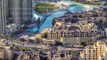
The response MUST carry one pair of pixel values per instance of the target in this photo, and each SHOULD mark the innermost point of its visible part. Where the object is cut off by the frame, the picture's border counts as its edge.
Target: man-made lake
(48, 21)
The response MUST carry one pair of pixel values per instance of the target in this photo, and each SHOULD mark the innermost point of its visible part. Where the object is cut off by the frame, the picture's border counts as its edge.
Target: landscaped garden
(44, 7)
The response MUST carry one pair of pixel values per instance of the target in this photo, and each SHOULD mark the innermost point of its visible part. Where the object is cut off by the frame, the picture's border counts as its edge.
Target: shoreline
(82, 4)
(105, 6)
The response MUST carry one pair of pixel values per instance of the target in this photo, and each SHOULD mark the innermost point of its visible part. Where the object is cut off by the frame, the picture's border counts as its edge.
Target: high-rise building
(13, 14)
(3, 15)
(21, 10)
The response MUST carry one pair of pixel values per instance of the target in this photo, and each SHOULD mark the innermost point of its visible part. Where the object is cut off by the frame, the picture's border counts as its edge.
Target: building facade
(97, 51)
(1, 53)
(21, 11)
(3, 15)
(57, 34)
(14, 12)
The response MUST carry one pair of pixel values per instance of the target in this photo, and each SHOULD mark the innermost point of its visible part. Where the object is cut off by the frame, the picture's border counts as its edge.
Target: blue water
(48, 22)
(80, 8)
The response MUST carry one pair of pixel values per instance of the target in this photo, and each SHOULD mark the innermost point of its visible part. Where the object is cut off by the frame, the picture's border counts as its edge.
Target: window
(85, 55)
(89, 55)
(93, 51)
(89, 58)
(89, 51)
(85, 59)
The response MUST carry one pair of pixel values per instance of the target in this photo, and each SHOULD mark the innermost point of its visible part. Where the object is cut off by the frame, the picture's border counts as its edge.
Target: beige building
(1, 53)
(97, 51)
(57, 34)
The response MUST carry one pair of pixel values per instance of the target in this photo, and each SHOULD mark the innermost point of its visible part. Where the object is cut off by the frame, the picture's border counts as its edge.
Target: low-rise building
(76, 30)
(97, 51)
(84, 25)
(1, 53)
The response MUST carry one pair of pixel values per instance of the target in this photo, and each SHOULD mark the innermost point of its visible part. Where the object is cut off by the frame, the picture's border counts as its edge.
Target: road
(20, 44)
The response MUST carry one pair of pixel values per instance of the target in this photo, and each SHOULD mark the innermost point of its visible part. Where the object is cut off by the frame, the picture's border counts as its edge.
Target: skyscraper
(21, 10)
(3, 15)
(14, 12)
